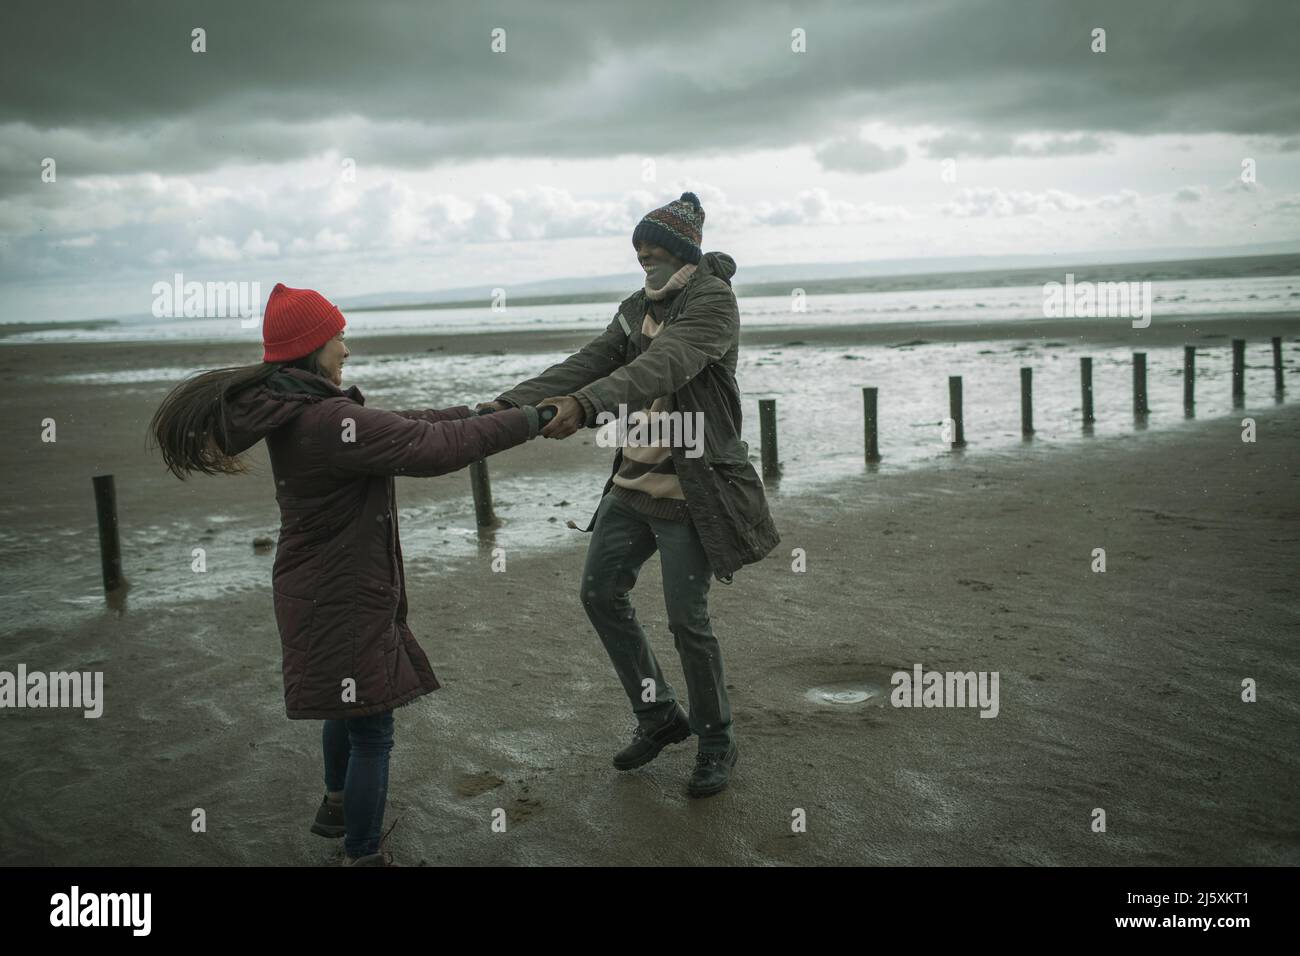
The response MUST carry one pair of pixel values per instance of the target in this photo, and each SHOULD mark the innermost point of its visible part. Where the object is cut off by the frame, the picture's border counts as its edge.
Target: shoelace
(383, 840)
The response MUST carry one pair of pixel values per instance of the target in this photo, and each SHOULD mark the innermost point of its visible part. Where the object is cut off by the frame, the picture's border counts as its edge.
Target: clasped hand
(568, 418)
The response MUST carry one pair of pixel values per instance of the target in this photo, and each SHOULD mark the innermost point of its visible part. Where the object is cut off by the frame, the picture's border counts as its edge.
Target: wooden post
(955, 411)
(767, 435)
(481, 486)
(1085, 376)
(1140, 407)
(110, 545)
(1189, 380)
(869, 425)
(1278, 385)
(1026, 401)
(1238, 371)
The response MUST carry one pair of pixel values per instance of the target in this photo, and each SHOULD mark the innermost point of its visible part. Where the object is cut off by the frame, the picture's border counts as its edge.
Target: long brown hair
(184, 428)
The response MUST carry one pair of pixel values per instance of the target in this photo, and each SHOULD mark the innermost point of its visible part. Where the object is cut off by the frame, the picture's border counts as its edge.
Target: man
(671, 347)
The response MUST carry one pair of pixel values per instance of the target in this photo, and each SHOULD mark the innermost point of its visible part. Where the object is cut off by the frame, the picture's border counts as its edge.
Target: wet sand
(1118, 690)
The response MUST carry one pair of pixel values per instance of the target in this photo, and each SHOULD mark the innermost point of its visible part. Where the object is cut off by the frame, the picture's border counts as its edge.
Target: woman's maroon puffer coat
(339, 590)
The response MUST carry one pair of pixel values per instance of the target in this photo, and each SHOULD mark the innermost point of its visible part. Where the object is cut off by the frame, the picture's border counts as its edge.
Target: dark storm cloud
(1001, 144)
(112, 87)
(853, 155)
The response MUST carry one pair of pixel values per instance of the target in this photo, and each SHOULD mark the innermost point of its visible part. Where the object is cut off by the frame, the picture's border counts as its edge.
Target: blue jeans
(622, 540)
(356, 762)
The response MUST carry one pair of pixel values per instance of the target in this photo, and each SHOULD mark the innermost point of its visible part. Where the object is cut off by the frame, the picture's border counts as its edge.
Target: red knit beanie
(297, 322)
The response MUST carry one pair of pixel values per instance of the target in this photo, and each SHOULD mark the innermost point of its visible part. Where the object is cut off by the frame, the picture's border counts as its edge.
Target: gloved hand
(544, 412)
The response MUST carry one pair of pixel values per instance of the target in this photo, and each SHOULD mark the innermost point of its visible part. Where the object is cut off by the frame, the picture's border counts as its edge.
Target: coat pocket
(740, 491)
(294, 617)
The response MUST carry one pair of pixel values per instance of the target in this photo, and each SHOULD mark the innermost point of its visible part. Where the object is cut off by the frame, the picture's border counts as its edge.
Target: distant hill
(897, 275)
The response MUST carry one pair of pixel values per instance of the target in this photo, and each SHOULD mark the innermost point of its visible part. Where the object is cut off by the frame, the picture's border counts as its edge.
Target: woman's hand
(569, 416)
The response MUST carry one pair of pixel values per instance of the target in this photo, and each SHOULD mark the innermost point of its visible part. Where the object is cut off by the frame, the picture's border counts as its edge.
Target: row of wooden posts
(115, 584)
(1141, 408)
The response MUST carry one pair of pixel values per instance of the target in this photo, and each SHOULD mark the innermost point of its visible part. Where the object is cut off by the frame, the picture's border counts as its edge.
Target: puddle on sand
(845, 694)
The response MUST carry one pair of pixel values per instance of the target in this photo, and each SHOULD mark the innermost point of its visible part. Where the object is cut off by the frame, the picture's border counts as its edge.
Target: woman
(340, 599)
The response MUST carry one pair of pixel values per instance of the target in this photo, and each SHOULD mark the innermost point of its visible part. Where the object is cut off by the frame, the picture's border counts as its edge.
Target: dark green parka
(692, 360)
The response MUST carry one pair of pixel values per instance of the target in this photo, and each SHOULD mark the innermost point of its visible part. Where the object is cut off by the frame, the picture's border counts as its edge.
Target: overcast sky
(474, 166)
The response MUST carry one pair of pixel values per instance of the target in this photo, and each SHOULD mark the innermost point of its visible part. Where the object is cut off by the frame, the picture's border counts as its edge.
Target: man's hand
(486, 408)
(569, 416)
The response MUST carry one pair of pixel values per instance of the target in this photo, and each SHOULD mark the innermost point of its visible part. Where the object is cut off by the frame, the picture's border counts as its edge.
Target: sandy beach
(1118, 690)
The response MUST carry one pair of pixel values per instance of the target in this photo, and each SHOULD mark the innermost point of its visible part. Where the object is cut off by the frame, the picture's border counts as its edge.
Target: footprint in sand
(522, 807)
(473, 784)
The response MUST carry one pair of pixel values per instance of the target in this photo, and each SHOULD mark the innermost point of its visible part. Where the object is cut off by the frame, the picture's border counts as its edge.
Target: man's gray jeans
(621, 541)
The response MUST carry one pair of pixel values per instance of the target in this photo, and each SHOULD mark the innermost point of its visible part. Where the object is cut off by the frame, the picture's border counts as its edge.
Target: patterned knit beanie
(678, 227)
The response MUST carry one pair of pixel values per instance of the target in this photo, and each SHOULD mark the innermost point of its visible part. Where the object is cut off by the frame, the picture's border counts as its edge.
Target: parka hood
(256, 411)
(719, 264)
